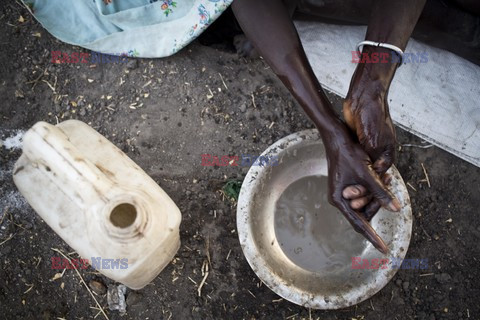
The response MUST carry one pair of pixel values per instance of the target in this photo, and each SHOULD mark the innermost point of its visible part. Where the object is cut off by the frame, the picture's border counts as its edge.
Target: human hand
(350, 173)
(366, 113)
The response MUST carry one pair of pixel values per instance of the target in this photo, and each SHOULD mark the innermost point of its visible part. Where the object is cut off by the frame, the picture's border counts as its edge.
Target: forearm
(267, 24)
(390, 22)
(393, 21)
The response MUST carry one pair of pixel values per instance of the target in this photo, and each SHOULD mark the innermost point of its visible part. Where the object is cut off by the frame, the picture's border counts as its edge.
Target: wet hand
(362, 201)
(366, 113)
(353, 183)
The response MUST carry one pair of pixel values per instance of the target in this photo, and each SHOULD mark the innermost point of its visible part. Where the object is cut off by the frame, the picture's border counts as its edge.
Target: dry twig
(408, 184)
(426, 175)
(223, 81)
(4, 214)
(253, 101)
(228, 255)
(84, 283)
(205, 273)
(8, 239)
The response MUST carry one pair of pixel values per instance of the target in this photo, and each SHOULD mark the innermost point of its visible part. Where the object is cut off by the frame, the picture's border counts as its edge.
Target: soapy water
(313, 234)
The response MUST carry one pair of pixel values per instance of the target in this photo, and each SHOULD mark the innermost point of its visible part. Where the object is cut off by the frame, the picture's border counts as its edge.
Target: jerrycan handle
(49, 148)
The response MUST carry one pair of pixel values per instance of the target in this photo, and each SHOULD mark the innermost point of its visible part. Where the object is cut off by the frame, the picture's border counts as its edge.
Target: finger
(385, 161)
(387, 178)
(359, 203)
(371, 209)
(354, 191)
(381, 193)
(361, 225)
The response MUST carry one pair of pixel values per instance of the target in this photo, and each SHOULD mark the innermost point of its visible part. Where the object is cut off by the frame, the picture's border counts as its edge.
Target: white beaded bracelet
(383, 45)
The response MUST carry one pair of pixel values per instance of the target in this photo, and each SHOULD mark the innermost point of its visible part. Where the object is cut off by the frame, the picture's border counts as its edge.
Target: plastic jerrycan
(98, 200)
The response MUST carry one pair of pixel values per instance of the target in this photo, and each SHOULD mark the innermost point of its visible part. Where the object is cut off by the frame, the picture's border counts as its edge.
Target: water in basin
(313, 234)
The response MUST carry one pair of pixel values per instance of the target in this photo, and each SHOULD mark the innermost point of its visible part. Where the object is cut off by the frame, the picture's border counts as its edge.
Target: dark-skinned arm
(267, 24)
(366, 109)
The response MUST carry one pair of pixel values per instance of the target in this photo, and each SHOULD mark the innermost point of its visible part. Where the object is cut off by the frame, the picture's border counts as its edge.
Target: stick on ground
(84, 283)
(426, 175)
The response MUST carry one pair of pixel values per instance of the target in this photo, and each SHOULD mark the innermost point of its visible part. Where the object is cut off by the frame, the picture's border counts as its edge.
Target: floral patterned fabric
(151, 28)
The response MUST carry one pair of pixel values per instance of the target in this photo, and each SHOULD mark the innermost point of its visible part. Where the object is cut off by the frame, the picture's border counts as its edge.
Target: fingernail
(381, 246)
(384, 250)
(355, 191)
(395, 205)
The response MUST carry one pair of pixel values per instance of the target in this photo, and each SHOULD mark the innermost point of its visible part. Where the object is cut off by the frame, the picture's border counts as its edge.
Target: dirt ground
(164, 114)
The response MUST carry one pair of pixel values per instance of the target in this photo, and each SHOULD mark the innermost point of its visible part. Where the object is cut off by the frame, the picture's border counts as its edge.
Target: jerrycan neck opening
(123, 215)
(125, 219)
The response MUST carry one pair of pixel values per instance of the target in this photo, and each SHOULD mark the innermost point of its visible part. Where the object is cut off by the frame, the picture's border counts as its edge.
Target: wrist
(376, 67)
(335, 136)
(371, 81)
